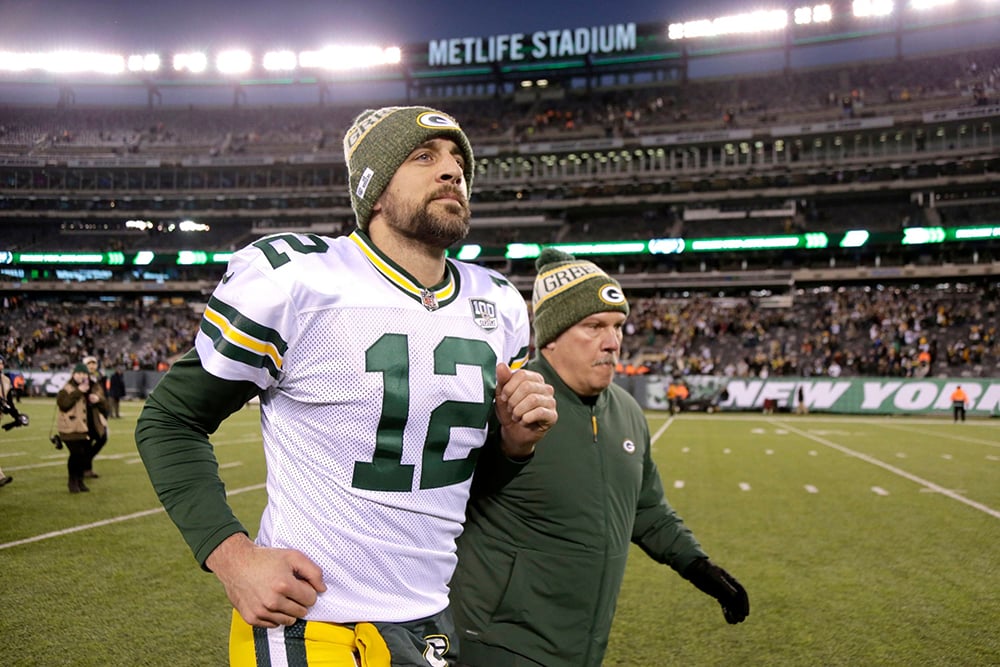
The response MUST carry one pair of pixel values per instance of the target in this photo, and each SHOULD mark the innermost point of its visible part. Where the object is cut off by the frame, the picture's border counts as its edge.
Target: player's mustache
(445, 191)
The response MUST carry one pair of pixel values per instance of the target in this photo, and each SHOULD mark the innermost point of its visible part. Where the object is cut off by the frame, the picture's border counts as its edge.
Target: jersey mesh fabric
(364, 363)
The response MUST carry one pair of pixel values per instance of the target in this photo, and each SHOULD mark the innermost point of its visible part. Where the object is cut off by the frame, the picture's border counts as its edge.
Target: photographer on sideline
(81, 422)
(97, 386)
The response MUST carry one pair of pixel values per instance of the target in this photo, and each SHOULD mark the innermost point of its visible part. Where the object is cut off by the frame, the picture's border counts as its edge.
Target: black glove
(713, 580)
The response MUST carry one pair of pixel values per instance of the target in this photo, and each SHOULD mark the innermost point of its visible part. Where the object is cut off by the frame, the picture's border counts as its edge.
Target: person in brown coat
(82, 421)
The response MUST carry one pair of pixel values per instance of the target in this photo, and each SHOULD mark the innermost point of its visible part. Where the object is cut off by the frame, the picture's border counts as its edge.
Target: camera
(57, 441)
(19, 419)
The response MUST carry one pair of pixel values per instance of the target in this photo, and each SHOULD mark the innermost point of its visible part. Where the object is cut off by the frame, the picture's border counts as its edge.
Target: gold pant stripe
(326, 645)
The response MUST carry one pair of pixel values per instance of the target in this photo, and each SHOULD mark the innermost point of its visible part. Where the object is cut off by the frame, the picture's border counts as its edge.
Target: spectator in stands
(80, 422)
(543, 554)
(363, 350)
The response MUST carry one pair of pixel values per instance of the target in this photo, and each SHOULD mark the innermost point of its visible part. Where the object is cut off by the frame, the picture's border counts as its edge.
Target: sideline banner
(854, 395)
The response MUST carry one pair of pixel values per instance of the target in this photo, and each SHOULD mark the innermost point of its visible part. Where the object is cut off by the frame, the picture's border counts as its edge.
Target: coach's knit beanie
(81, 368)
(378, 142)
(569, 289)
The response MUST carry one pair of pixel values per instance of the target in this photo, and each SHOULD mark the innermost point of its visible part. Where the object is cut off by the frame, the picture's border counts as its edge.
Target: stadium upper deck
(641, 152)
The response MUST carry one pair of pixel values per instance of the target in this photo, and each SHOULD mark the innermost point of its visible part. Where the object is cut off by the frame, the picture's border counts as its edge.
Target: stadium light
(816, 14)
(279, 61)
(149, 62)
(194, 62)
(234, 61)
(765, 20)
(872, 8)
(63, 62)
(349, 57)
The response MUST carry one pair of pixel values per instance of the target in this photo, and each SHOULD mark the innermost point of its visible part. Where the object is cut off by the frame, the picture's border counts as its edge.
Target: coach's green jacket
(542, 556)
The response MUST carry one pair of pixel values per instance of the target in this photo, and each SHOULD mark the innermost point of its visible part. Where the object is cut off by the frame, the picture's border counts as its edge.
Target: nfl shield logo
(428, 299)
(484, 313)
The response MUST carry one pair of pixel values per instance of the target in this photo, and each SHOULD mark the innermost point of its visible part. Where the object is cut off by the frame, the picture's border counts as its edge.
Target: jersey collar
(432, 298)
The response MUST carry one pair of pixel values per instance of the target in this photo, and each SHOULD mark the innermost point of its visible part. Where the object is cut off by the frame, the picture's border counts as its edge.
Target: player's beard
(438, 229)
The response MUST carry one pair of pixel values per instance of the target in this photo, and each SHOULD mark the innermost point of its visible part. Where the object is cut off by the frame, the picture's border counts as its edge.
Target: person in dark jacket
(116, 392)
(543, 552)
(98, 396)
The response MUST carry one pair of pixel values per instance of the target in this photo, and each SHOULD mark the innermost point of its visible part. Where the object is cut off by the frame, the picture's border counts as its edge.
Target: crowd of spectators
(747, 101)
(911, 331)
(52, 335)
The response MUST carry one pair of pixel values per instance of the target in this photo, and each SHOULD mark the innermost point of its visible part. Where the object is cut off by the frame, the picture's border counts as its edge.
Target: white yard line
(107, 522)
(945, 435)
(60, 460)
(896, 471)
(660, 431)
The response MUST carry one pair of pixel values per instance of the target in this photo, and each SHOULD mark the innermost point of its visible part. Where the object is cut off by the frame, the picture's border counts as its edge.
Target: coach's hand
(268, 587)
(711, 579)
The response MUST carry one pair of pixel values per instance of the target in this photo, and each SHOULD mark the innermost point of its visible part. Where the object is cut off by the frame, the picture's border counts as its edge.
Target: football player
(383, 370)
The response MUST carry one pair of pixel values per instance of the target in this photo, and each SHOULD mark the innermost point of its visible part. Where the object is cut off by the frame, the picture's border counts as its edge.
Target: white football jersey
(375, 396)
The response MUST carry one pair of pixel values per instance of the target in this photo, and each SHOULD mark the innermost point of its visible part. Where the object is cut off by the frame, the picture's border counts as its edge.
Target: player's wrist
(517, 451)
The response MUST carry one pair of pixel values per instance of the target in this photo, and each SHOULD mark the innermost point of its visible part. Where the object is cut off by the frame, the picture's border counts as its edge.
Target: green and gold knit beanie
(569, 289)
(378, 142)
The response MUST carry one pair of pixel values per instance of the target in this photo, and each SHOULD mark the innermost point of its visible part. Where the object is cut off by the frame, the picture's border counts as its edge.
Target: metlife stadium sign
(540, 45)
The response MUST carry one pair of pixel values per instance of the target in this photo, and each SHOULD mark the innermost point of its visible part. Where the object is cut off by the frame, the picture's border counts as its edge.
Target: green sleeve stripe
(237, 353)
(520, 359)
(247, 326)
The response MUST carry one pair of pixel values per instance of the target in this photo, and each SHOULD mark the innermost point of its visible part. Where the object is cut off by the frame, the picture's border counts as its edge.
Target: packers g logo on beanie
(567, 290)
(378, 142)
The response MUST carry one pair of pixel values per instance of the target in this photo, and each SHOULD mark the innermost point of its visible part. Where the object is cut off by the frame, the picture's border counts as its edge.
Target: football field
(861, 541)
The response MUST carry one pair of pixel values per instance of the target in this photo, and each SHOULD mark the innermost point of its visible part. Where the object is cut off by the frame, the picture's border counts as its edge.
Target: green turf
(839, 576)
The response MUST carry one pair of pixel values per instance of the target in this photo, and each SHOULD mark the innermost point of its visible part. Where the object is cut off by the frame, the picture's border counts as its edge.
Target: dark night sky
(120, 25)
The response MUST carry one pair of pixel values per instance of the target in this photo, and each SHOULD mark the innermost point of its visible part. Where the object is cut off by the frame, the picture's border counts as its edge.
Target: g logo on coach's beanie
(567, 290)
(378, 142)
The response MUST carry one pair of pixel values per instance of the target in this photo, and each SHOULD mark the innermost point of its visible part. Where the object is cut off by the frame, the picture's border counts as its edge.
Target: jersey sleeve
(172, 436)
(250, 318)
(517, 322)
